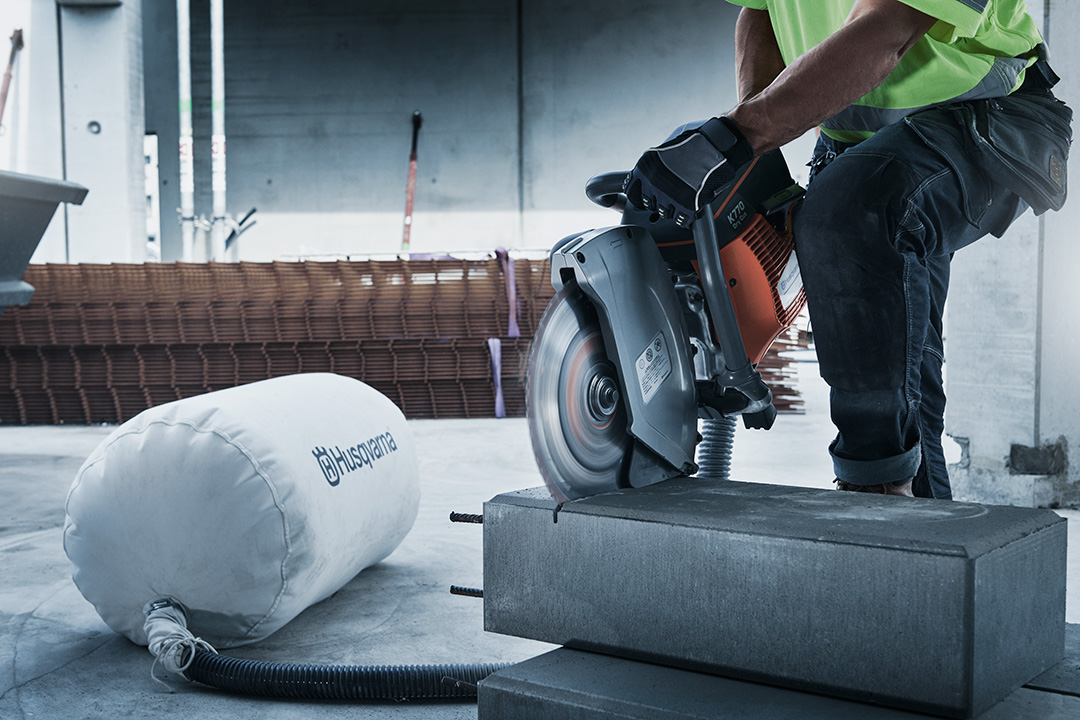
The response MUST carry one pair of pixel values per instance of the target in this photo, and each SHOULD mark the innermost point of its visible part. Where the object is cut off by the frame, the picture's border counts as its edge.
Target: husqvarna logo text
(335, 463)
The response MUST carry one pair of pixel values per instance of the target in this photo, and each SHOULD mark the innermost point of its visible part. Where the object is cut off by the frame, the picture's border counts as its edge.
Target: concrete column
(1012, 335)
(103, 127)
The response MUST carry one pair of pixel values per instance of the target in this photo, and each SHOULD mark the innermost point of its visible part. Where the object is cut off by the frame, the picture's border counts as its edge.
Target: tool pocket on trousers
(942, 129)
(1023, 141)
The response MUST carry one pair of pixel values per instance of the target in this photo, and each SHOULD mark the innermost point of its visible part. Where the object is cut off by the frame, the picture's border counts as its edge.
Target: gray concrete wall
(1059, 338)
(522, 103)
(1012, 333)
(601, 86)
(318, 113)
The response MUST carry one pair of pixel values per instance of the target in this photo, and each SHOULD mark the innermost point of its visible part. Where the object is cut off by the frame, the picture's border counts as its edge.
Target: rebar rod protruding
(466, 591)
(456, 517)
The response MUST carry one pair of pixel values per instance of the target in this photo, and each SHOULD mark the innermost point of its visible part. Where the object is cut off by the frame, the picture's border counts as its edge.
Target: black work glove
(678, 178)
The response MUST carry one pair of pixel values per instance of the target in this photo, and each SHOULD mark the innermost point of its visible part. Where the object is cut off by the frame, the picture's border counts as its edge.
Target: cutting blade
(575, 409)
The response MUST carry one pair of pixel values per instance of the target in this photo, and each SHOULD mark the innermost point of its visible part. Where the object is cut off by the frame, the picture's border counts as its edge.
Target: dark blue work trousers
(875, 236)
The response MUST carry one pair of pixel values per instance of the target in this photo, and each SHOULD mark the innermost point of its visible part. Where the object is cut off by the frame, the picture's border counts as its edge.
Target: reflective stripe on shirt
(1000, 81)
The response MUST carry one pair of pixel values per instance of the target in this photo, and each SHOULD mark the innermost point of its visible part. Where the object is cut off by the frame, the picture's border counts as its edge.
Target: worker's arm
(678, 177)
(845, 66)
(757, 55)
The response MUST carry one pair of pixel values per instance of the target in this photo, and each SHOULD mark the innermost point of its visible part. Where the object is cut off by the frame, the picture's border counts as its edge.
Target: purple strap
(511, 289)
(495, 347)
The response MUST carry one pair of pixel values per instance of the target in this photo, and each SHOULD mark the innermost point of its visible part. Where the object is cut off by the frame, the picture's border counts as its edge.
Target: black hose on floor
(338, 682)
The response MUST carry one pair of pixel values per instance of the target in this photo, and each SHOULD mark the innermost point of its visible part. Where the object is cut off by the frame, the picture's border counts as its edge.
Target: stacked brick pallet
(101, 343)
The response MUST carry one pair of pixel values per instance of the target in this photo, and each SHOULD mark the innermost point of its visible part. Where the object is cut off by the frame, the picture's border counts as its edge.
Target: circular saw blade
(576, 414)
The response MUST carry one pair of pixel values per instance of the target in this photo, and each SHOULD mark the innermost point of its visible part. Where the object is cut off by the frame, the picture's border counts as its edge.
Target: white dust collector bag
(245, 505)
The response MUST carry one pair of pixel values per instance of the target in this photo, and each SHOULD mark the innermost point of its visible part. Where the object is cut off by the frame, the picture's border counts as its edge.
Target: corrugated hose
(176, 649)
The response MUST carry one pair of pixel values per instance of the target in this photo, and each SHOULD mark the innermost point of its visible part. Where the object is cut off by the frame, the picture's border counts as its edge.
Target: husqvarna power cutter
(655, 326)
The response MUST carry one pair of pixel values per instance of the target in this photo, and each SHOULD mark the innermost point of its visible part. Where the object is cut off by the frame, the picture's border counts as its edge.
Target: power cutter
(654, 327)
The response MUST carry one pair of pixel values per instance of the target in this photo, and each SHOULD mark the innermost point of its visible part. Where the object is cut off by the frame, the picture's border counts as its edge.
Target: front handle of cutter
(739, 372)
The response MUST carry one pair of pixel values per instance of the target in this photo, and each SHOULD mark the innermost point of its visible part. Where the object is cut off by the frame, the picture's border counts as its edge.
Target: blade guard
(620, 270)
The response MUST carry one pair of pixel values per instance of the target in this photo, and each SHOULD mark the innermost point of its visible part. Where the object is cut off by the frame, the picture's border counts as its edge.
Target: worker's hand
(678, 178)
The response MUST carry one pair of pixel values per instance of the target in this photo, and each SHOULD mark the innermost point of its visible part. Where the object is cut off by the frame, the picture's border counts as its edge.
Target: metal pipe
(219, 229)
(187, 141)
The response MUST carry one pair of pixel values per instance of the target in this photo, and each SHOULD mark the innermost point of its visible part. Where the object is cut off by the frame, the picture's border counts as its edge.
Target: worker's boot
(902, 489)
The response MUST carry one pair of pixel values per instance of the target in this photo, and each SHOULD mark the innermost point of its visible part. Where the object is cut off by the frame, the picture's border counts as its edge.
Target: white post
(153, 198)
(219, 229)
(187, 141)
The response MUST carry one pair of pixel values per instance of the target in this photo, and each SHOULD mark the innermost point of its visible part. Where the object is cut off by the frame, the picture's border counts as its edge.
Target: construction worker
(937, 126)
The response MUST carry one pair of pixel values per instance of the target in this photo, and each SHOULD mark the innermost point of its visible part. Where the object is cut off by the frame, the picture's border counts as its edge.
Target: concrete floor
(59, 660)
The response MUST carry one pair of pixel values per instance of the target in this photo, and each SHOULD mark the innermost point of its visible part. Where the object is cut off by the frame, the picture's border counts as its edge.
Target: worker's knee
(853, 206)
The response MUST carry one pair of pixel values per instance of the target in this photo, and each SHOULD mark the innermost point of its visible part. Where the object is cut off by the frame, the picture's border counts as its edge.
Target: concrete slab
(931, 606)
(572, 685)
(1063, 678)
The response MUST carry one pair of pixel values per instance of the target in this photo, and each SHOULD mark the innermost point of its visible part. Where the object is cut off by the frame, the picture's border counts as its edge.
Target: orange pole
(410, 186)
(16, 46)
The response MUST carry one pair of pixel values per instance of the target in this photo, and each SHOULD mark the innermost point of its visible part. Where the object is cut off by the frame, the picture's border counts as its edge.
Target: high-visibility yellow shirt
(976, 49)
